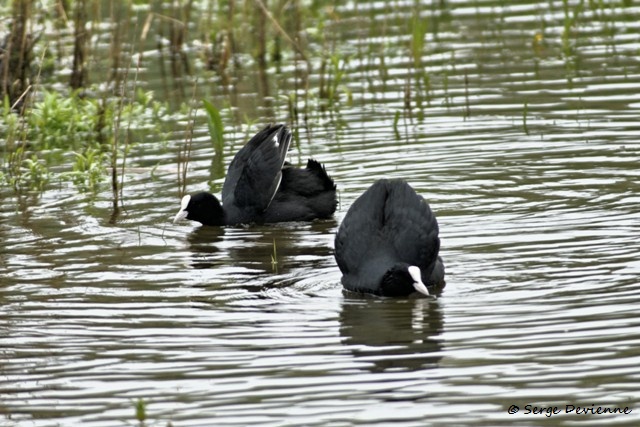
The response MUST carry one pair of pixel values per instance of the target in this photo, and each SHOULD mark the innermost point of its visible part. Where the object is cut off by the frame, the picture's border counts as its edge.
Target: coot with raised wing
(260, 187)
(388, 243)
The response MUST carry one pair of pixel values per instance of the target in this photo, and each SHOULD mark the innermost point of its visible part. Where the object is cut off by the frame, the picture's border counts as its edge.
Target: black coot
(388, 242)
(261, 188)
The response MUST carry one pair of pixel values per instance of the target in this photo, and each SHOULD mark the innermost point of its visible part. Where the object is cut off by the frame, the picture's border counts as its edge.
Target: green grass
(72, 131)
(216, 128)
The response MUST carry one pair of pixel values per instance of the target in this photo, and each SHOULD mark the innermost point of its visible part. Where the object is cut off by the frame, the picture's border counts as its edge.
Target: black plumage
(388, 242)
(260, 187)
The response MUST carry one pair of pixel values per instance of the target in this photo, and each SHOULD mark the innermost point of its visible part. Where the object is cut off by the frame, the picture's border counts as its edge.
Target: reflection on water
(392, 334)
(262, 249)
(528, 155)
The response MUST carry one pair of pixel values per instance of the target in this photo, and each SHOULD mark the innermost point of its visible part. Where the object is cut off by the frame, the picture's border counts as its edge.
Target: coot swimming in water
(388, 242)
(260, 187)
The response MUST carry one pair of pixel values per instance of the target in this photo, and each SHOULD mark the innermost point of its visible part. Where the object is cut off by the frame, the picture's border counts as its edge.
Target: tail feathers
(319, 171)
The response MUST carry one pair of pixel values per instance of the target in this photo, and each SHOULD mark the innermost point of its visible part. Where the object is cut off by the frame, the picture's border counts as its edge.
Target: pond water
(525, 146)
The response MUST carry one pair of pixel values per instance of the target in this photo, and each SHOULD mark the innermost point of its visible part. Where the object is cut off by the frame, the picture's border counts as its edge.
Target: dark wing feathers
(359, 230)
(254, 174)
(389, 221)
(411, 226)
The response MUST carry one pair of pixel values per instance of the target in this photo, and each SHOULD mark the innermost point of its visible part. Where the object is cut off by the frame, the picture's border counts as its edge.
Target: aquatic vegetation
(338, 68)
(35, 173)
(216, 129)
(62, 122)
(525, 111)
(568, 49)
(141, 410)
(396, 120)
(274, 257)
(88, 169)
(57, 126)
(418, 34)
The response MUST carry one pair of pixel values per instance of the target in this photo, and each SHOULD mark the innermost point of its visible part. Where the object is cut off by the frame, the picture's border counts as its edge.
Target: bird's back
(304, 194)
(387, 224)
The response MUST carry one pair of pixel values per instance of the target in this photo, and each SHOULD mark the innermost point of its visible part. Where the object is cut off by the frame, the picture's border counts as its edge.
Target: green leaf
(216, 130)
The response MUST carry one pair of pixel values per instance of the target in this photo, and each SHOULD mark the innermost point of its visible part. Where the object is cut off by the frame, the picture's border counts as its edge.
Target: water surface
(528, 155)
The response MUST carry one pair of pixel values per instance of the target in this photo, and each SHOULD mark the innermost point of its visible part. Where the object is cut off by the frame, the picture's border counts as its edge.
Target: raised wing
(255, 172)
